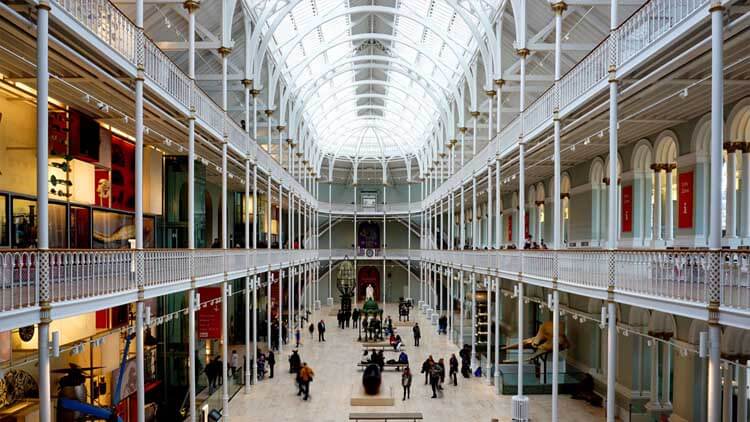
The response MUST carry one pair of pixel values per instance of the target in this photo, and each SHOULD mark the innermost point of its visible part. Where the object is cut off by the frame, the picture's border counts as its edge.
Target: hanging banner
(627, 209)
(510, 228)
(685, 200)
(209, 317)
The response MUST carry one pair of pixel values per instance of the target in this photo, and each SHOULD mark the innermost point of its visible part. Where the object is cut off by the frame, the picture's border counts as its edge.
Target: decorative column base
(520, 409)
(317, 305)
(497, 383)
(731, 241)
(434, 318)
(329, 301)
(488, 374)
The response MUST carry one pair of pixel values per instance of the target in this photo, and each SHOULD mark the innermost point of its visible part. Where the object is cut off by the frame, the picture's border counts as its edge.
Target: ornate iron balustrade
(82, 274)
(680, 276)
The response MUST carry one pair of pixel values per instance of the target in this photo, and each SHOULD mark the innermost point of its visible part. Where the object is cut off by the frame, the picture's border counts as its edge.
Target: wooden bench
(396, 366)
(416, 416)
(389, 348)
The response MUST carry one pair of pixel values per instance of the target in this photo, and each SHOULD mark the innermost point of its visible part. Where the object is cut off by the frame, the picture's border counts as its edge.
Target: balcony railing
(674, 275)
(81, 274)
(394, 208)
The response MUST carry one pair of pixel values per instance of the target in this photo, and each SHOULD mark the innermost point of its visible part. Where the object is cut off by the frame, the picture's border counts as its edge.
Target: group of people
(268, 358)
(321, 330)
(434, 373)
(303, 374)
(344, 316)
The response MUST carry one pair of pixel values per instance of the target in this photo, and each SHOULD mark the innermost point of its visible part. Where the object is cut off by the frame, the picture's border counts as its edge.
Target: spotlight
(587, 141)
(684, 93)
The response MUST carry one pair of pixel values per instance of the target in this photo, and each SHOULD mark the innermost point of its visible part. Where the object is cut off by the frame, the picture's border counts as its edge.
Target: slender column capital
(191, 5)
(499, 82)
(224, 51)
(559, 7)
(247, 83)
(280, 128)
(523, 52)
(474, 114)
(734, 146)
(490, 93)
(44, 5)
(463, 129)
(269, 112)
(254, 92)
(715, 7)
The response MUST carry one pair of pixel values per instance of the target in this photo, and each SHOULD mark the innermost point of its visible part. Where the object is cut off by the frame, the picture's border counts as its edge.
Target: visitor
(406, 383)
(355, 317)
(297, 337)
(403, 358)
(417, 334)
(294, 362)
(271, 362)
(305, 376)
(347, 317)
(465, 354)
(321, 331)
(441, 367)
(211, 374)
(261, 366)
(434, 375)
(285, 332)
(392, 341)
(454, 368)
(234, 362)
(443, 324)
(215, 244)
(398, 343)
(381, 360)
(311, 328)
(364, 327)
(389, 325)
(340, 318)
(426, 366)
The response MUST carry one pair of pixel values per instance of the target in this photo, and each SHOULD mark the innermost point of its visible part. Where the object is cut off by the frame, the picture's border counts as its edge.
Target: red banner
(627, 209)
(510, 228)
(209, 318)
(685, 200)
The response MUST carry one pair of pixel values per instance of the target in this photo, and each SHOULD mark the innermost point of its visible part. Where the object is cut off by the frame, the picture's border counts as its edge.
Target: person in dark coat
(417, 334)
(355, 317)
(426, 367)
(435, 379)
(321, 331)
(294, 362)
(271, 359)
(454, 368)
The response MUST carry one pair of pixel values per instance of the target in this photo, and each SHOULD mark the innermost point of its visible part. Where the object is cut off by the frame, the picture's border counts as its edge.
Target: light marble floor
(334, 363)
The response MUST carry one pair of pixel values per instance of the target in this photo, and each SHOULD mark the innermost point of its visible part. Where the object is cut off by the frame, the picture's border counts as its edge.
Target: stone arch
(596, 172)
(642, 197)
(661, 324)
(738, 122)
(642, 156)
(666, 148)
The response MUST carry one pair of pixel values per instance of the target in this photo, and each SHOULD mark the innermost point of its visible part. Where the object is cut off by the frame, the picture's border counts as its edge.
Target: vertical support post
(474, 216)
(488, 358)
(473, 278)
(139, 353)
(462, 294)
(191, 6)
(246, 214)
(714, 234)
(462, 218)
(42, 150)
(559, 8)
(498, 299)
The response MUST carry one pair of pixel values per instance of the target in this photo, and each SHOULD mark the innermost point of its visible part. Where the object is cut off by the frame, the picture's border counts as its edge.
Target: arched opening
(665, 187)
(641, 196)
(661, 327)
(368, 276)
(737, 163)
(596, 180)
(565, 208)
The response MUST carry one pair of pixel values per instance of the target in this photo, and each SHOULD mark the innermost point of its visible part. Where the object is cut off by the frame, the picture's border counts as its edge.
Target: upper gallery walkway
(82, 280)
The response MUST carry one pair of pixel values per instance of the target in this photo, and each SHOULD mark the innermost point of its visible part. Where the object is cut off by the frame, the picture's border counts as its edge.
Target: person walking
(417, 334)
(434, 379)
(355, 317)
(234, 363)
(261, 366)
(426, 366)
(406, 383)
(441, 366)
(321, 330)
(306, 375)
(311, 328)
(454, 368)
(297, 337)
(271, 362)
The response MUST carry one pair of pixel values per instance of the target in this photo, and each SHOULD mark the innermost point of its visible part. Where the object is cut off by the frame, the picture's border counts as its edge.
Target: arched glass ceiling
(374, 75)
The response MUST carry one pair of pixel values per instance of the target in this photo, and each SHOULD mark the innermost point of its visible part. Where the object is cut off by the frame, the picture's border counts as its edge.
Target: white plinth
(329, 301)
(520, 409)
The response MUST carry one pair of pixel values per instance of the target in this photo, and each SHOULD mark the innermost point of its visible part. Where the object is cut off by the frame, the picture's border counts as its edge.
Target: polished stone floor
(334, 363)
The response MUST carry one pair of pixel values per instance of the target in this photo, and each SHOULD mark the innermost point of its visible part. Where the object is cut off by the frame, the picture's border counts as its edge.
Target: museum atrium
(542, 206)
